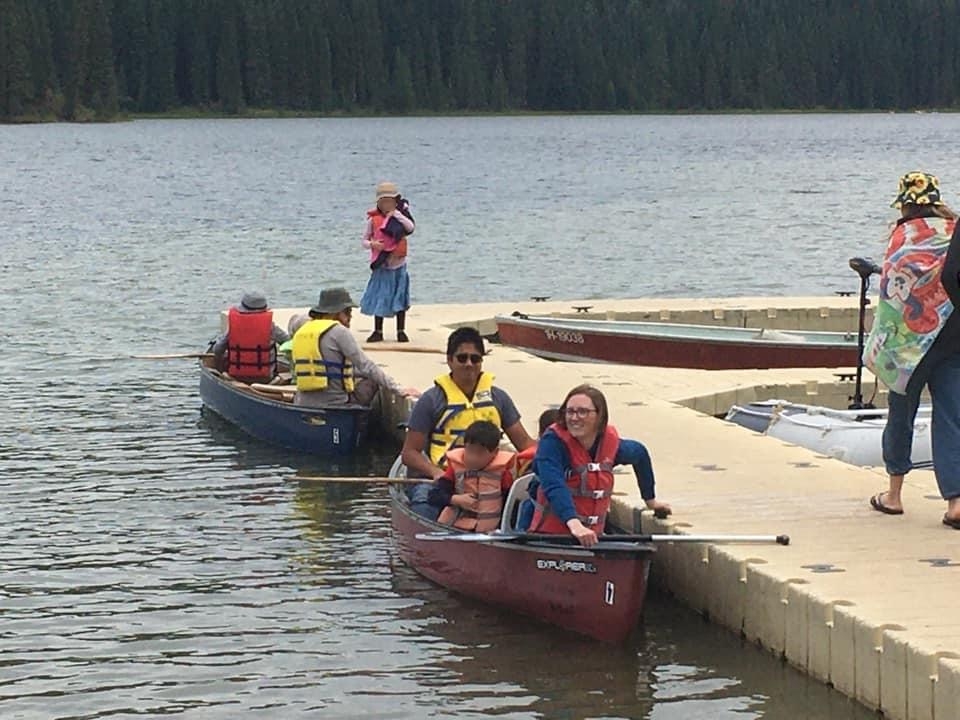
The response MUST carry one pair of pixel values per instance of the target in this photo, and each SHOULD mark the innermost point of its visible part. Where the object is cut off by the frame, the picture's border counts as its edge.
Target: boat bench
(511, 506)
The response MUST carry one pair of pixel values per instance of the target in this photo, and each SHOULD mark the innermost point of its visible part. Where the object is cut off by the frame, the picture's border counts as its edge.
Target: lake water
(155, 562)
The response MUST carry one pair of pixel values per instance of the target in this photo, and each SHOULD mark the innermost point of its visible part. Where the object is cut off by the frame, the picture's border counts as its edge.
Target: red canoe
(595, 593)
(704, 347)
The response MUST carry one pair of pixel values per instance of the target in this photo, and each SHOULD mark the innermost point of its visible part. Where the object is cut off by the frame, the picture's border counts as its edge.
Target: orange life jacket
(590, 481)
(251, 352)
(525, 460)
(484, 485)
(378, 221)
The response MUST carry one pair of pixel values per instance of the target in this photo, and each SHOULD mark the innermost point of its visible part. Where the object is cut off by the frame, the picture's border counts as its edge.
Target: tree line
(96, 59)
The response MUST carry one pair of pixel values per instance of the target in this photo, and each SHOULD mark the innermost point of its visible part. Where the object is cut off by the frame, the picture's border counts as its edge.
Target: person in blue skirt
(385, 236)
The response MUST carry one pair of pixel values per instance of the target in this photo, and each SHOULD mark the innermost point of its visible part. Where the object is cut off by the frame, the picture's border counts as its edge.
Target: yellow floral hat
(918, 188)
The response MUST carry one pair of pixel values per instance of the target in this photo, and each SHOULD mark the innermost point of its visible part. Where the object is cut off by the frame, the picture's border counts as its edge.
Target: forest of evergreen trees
(95, 59)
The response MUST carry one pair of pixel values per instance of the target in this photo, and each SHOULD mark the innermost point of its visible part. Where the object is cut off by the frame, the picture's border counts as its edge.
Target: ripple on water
(157, 562)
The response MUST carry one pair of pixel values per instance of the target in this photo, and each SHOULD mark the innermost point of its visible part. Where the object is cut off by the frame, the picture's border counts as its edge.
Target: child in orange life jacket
(478, 476)
(525, 515)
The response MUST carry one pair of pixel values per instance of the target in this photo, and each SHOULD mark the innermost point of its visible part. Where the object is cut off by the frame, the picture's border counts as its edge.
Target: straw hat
(386, 190)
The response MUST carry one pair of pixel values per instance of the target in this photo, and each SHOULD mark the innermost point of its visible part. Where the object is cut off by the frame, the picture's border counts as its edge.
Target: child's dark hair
(483, 433)
(548, 418)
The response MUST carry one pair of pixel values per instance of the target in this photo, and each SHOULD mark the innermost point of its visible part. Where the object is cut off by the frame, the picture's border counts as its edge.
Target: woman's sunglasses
(474, 358)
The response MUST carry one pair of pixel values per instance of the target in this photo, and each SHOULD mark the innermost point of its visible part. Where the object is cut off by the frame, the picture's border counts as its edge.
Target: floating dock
(861, 600)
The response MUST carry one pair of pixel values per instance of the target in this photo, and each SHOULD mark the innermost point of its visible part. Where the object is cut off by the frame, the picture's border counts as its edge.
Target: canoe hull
(317, 431)
(599, 595)
(852, 436)
(717, 349)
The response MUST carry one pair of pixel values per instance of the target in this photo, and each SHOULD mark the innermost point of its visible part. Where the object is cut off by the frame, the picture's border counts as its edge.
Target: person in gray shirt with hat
(328, 365)
(251, 338)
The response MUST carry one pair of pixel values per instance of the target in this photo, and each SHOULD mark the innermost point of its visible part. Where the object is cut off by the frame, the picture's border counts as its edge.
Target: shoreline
(281, 114)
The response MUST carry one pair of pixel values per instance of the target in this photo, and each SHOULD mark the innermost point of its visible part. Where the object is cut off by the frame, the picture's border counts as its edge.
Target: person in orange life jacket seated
(327, 363)
(525, 465)
(250, 342)
(385, 235)
(525, 459)
(575, 460)
(478, 476)
(442, 414)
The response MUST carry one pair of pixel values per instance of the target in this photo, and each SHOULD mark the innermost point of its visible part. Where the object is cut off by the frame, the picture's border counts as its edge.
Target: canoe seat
(511, 506)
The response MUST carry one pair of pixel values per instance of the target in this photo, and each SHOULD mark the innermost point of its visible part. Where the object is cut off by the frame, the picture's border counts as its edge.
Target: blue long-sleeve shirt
(552, 462)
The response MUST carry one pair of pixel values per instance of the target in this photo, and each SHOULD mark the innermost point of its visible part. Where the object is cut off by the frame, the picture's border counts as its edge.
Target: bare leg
(891, 497)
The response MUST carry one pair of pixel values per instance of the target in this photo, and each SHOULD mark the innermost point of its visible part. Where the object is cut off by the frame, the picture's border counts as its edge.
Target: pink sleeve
(367, 234)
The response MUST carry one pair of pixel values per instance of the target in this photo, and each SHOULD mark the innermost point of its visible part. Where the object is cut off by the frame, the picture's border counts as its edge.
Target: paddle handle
(614, 540)
(364, 480)
(740, 539)
(173, 356)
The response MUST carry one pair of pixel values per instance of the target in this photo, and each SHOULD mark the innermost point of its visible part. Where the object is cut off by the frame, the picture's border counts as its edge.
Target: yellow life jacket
(310, 370)
(459, 414)
(485, 486)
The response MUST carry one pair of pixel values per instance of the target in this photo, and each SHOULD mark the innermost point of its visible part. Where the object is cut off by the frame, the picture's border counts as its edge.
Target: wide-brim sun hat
(386, 190)
(332, 301)
(253, 302)
(917, 188)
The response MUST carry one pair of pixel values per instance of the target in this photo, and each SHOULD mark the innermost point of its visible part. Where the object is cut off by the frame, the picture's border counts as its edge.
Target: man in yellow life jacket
(327, 363)
(444, 412)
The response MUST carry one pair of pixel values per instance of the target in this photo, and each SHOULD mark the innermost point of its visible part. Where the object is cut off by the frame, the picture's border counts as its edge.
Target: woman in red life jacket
(388, 290)
(575, 460)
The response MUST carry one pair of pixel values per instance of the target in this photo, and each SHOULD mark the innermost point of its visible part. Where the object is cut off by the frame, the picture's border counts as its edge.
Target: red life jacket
(378, 221)
(251, 352)
(525, 460)
(484, 485)
(589, 480)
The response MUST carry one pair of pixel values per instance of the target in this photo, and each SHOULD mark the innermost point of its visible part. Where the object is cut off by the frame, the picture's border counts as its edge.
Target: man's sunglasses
(474, 358)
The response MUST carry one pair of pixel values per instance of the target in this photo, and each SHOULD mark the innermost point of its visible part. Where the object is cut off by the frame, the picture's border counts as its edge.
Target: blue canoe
(267, 413)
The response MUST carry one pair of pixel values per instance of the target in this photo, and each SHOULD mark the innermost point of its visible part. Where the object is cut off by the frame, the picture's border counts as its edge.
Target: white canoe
(853, 436)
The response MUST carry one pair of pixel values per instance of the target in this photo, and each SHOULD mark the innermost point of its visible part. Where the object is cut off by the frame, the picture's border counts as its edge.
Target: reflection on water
(678, 667)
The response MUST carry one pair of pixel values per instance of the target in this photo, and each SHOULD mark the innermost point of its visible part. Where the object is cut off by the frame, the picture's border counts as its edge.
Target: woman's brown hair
(599, 403)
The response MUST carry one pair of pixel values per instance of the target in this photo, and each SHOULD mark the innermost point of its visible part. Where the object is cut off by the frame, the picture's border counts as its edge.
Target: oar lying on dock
(400, 347)
(172, 356)
(570, 540)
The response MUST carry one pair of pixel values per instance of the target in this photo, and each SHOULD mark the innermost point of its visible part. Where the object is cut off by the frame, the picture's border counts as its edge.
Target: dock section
(861, 600)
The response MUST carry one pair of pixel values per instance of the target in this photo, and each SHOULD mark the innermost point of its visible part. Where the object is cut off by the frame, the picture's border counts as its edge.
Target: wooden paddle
(400, 347)
(366, 480)
(570, 540)
(173, 356)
